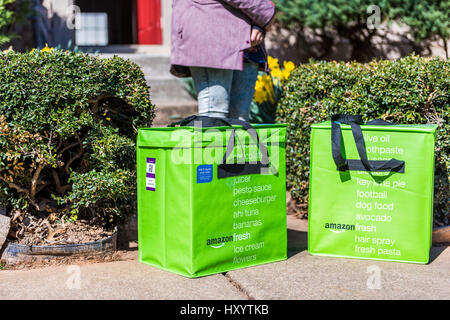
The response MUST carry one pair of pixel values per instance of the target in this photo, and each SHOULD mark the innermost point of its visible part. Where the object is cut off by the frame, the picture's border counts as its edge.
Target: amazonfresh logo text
(221, 241)
(339, 227)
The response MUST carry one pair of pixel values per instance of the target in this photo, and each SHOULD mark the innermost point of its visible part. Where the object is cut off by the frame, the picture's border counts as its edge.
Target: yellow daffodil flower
(276, 73)
(289, 66)
(265, 84)
(273, 63)
(285, 74)
(47, 49)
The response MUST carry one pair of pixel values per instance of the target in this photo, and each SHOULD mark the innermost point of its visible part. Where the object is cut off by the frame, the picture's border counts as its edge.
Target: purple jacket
(214, 33)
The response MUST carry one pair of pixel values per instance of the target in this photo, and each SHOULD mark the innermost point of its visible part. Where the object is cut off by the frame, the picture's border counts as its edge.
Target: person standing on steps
(220, 43)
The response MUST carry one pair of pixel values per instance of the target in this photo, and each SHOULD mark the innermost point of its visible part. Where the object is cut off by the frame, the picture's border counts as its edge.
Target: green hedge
(12, 12)
(355, 22)
(68, 123)
(410, 90)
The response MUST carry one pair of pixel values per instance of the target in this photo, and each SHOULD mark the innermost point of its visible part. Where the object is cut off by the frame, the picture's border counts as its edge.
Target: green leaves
(409, 90)
(328, 20)
(426, 18)
(317, 14)
(11, 11)
(110, 194)
(68, 126)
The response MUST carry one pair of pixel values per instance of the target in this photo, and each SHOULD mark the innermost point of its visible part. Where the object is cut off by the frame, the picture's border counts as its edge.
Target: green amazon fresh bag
(371, 190)
(211, 196)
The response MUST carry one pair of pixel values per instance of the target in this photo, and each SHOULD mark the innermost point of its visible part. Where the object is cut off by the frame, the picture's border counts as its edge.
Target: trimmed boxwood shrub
(410, 90)
(68, 123)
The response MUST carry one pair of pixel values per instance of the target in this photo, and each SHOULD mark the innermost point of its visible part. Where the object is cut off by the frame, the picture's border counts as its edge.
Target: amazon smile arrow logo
(217, 243)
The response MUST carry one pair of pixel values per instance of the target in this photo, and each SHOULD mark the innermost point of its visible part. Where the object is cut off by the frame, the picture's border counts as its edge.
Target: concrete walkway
(300, 277)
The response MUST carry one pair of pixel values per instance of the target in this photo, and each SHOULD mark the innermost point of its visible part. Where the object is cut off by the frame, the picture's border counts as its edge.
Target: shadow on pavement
(297, 242)
(436, 252)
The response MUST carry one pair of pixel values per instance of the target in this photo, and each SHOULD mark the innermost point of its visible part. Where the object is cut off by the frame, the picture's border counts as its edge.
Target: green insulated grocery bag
(371, 190)
(211, 195)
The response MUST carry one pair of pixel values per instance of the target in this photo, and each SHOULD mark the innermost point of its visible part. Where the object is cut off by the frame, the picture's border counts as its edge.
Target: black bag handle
(362, 164)
(206, 121)
(226, 170)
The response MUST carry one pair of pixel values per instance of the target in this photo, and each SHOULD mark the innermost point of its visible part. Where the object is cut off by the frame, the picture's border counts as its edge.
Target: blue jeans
(225, 93)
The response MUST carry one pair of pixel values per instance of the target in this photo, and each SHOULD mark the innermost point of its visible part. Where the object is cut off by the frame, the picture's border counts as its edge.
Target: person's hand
(257, 37)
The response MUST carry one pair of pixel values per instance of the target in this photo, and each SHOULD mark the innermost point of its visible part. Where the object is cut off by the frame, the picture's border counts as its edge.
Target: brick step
(168, 90)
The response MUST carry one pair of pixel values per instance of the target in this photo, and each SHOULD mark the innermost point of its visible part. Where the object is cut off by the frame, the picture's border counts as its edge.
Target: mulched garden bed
(33, 231)
(295, 208)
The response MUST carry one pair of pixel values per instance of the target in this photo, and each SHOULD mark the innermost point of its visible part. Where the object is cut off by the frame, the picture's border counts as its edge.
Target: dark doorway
(121, 22)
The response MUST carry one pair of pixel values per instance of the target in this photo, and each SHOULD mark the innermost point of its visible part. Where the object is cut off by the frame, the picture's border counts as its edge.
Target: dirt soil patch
(121, 255)
(296, 208)
(40, 232)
